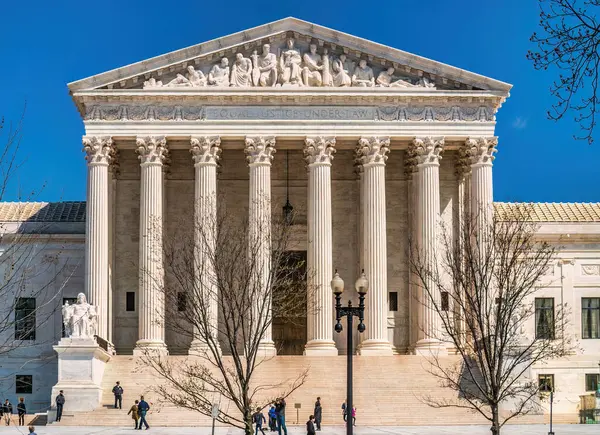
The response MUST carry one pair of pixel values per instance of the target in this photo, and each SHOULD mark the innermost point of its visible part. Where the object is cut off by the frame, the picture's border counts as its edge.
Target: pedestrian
(259, 419)
(32, 430)
(310, 426)
(143, 408)
(318, 413)
(280, 411)
(134, 413)
(7, 409)
(21, 410)
(344, 411)
(118, 392)
(60, 401)
(272, 419)
(354, 416)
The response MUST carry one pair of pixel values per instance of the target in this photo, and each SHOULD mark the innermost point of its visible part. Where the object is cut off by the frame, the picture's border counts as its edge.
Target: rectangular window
(591, 381)
(544, 318)
(445, 301)
(25, 319)
(590, 317)
(546, 383)
(24, 384)
(181, 301)
(393, 301)
(130, 301)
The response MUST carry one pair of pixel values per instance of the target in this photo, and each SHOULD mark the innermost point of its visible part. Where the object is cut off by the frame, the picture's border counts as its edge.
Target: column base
(266, 348)
(144, 347)
(430, 347)
(371, 347)
(200, 348)
(320, 348)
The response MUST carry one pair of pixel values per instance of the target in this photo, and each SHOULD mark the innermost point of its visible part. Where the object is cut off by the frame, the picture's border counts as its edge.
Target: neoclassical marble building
(371, 145)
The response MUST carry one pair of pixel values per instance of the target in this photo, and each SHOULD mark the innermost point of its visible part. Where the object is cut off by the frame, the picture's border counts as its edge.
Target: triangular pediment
(336, 57)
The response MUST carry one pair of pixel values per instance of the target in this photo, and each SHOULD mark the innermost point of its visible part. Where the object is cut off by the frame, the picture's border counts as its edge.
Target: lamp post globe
(362, 284)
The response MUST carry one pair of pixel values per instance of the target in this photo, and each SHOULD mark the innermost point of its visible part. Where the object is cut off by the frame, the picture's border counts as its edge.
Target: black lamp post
(361, 285)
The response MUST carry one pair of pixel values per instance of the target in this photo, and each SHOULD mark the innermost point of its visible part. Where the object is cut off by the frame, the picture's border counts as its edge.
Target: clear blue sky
(45, 45)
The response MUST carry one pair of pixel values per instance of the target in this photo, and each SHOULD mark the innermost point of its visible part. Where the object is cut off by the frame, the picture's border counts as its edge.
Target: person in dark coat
(318, 413)
(310, 426)
(118, 392)
(259, 419)
(272, 419)
(60, 401)
(143, 408)
(280, 410)
(134, 413)
(7, 409)
(21, 410)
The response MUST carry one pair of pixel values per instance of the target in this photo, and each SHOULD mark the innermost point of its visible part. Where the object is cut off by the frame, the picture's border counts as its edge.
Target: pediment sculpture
(80, 319)
(313, 68)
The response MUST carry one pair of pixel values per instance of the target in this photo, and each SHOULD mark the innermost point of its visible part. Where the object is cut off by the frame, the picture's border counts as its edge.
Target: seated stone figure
(219, 74)
(313, 65)
(241, 72)
(363, 75)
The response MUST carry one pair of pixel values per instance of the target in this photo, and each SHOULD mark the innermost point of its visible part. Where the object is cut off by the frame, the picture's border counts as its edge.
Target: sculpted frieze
(288, 65)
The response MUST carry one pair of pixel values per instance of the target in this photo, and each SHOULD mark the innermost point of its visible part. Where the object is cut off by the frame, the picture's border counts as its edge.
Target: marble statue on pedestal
(289, 65)
(241, 72)
(80, 319)
(313, 65)
(219, 73)
(363, 75)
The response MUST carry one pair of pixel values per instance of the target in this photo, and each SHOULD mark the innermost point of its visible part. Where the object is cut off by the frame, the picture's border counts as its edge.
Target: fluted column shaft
(99, 153)
(152, 152)
(428, 152)
(481, 152)
(205, 154)
(372, 153)
(318, 154)
(410, 171)
(259, 152)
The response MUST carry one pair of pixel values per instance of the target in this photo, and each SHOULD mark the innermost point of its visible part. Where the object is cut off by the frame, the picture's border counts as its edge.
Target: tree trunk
(495, 421)
(248, 419)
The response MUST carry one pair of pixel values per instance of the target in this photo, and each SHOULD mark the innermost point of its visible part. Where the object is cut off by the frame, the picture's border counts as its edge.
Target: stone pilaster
(99, 154)
(318, 154)
(428, 152)
(481, 152)
(372, 154)
(205, 154)
(259, 153)
(152, 152)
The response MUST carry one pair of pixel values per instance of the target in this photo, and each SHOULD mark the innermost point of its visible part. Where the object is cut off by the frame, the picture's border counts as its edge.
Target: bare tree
(569, 42)
(482, 288)
(221, 295)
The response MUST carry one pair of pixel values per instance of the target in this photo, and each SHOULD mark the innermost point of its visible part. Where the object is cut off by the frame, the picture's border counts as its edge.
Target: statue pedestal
(81, 363)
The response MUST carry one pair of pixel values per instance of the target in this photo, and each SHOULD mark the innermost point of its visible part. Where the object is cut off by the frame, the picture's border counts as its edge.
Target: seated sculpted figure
(386, 79)
(289, 65)
(265, 69)
(313, 65)
(341, 71)
(241, 72)
(194, 79)
(363, 75)
(80, 319)
(219, 74)
(152, 83)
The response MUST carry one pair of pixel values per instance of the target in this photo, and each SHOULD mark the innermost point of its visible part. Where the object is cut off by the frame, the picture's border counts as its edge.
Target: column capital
(481, 150)
(205, 150)
(372, 151)
(99, 150)
(152, 149)
(428, 150)
(259, 150)
(319, 150)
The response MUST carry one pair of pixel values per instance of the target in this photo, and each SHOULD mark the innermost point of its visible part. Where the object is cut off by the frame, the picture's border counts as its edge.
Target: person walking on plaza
(21, 410)
(32, 430)
(318, 413)
(310, 426)
(354, 416)
(118, 392)
(143, 408)
(344, 411)
(7, 409)
(280, 411)
(60, 401)
(272, 419)
(134, 413)
(259, 419)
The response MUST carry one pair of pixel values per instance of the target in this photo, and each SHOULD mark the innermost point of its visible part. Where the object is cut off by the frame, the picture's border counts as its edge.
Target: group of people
(6, 411)
(138, 410)
(276, 418)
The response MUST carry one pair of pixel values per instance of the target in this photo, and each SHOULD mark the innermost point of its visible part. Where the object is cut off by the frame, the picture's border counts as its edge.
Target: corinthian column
(318, 154)
(152, 152)
(410, 171)
(99, 154)
(427, 151)
(372, 154)
(481, 152)
(259, 153)
(205, 154)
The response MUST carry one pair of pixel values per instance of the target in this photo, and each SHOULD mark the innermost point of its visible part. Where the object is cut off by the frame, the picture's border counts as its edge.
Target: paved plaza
(570, 429)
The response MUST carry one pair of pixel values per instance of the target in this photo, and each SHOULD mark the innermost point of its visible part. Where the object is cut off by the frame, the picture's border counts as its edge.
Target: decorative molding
(481, 149)
(259, 150)
(152, 149)
(98, 149)
(205, 150)
(590, 269)
(372, 150)
(319, 150)
(428, 149)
